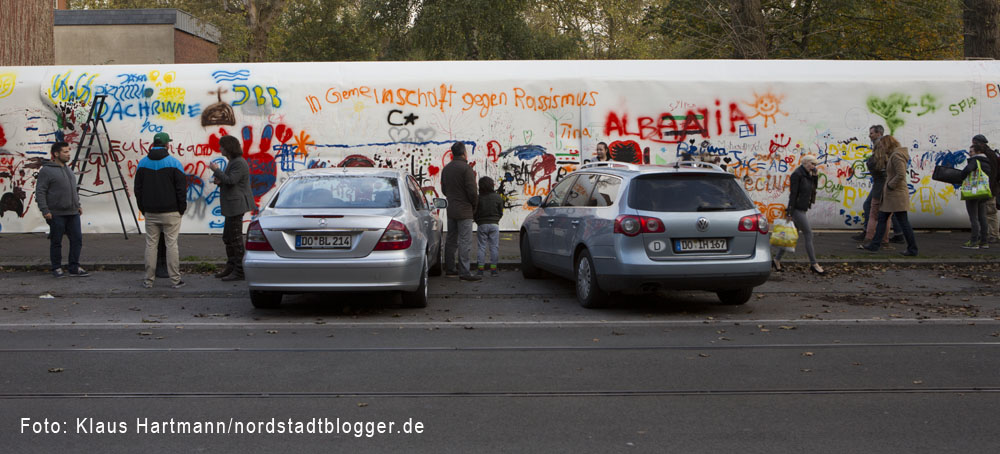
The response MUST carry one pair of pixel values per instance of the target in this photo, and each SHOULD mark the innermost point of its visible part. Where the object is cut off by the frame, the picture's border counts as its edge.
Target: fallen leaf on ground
(807, 354)
(786, 327)
(55, 370)
(145, 333)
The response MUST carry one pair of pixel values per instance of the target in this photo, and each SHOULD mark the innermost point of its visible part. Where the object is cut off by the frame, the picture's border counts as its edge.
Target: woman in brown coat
(895, 197)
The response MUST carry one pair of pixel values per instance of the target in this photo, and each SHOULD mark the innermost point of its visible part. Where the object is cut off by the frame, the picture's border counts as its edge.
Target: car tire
(588, 291)
(435, 269)
(735, 297)
(418, 297)
(265, 300)
(528, 268)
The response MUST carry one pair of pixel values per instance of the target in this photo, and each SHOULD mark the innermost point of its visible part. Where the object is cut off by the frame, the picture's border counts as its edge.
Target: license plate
(701, 245)
(322, 241)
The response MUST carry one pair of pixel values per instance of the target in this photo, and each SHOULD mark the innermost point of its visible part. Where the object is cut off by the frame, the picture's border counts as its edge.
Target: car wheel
(418, 297)
(435, 269)
(735, 297)
(528, 268)
(588, 292)
(265, 300)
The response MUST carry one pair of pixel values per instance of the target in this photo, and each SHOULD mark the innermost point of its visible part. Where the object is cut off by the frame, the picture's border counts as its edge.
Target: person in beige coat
(895, 198)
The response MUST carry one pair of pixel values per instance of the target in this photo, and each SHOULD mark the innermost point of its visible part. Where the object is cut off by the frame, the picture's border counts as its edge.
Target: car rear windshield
(688, 192)
(339, 191)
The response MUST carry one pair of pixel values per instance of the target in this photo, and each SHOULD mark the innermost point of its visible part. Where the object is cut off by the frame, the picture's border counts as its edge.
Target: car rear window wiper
(714, 207)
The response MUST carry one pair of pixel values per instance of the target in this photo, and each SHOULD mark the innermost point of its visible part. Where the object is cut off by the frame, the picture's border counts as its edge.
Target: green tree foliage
(827, 29)
(336, 30)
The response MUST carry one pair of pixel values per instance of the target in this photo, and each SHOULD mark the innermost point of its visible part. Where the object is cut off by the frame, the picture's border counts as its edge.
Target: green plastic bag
(977, 185)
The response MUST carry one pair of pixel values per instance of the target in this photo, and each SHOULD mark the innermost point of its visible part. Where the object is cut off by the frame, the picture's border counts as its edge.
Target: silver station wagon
(344, 229)
(613, 227)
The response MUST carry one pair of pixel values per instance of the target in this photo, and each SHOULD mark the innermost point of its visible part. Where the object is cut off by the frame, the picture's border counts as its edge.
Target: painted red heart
(433, 170)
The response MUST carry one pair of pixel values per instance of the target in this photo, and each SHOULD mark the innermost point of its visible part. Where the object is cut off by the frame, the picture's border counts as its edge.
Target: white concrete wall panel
(527, 123)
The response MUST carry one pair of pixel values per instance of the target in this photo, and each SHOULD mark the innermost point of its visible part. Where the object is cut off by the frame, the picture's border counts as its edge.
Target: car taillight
(634, 225)
(256, 241)
(396, 237)
(754, 223)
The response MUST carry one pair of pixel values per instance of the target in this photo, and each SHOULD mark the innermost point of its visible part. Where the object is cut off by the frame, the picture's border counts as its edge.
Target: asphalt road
(864, 360)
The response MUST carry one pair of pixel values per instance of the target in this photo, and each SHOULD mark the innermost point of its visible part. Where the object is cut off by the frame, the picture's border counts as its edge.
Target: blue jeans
(904, 222)
(69, 226)
(458, 240)
(489, 238)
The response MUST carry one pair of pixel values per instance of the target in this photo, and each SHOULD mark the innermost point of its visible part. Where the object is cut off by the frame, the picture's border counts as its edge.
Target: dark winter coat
(490, 209)
(236, 197)
(896, 197)
(55, 190)
(458, 183)
(160, 183)
(803, 190)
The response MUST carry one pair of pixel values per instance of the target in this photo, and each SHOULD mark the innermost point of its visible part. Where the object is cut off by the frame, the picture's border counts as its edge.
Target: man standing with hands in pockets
(59, 203)
(236, 199)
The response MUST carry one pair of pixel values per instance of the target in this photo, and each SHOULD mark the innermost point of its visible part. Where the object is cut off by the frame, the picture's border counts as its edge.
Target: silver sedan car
(344, 229)
(614, 227)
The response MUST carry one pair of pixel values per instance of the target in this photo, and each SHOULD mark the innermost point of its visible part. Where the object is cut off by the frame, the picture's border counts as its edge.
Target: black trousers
(232, 236)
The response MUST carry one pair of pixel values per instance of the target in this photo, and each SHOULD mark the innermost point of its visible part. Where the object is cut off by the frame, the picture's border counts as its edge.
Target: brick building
(133, 36)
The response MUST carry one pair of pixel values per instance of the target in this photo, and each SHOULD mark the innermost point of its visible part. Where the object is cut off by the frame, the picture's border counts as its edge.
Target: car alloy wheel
(588, 292)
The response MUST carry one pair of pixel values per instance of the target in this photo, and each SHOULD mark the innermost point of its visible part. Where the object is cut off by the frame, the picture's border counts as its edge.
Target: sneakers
(147, 284)
(984, 245)
(471, 278)
(898, 239)
(970, 245)
(494, 272)
(233, 277)
(908, 254)
(80, 272)
(58, 272)
(179, 284)
(479, 272)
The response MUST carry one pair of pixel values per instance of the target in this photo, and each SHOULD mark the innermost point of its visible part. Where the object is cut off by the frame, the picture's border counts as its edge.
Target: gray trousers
(802, 224)
(489, 239)
(458, 239)
(977, 219)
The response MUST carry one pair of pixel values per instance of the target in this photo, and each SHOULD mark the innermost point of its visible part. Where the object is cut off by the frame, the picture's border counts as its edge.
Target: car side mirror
(440, 203)
(535, 201)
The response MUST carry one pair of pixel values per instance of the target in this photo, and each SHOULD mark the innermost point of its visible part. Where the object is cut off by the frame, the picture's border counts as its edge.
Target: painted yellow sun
(768, 106)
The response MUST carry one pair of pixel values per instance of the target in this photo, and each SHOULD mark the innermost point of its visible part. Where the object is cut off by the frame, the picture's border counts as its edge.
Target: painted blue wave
(226, 76)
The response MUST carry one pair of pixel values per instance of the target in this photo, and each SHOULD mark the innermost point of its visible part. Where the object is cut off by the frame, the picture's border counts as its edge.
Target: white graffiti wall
(526, 123)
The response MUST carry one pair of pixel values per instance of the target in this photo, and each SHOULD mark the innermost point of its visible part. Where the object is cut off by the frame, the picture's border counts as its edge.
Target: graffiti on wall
(525, 129)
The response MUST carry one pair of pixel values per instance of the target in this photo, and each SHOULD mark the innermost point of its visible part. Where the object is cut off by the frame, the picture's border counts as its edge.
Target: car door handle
(575, 223)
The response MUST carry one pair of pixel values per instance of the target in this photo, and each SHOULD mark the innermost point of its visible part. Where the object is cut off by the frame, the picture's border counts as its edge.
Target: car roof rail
(697, 164)
(625, 165)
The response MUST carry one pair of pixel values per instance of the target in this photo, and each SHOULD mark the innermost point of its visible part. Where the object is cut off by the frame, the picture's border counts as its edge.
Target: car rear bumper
(267, 271)
(711, 275)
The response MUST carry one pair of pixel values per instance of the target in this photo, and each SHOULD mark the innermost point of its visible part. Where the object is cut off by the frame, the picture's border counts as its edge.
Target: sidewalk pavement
(19, 251)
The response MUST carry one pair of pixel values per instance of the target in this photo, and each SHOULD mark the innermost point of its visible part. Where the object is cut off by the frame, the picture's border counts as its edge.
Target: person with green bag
(976, 193)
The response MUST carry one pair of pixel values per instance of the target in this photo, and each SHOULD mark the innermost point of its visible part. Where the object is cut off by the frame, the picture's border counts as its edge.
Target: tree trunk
(26, 31)
(979, 24)
(749, 39)
(261, 15)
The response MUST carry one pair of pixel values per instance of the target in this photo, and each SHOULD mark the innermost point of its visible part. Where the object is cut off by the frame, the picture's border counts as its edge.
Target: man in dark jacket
(458, 183)
(235, 199)
(991, 205)
(59, 202)
(161, 195)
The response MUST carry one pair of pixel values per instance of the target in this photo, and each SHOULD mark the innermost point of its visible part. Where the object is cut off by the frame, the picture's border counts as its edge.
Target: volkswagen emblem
(322, 222)
(702, 224)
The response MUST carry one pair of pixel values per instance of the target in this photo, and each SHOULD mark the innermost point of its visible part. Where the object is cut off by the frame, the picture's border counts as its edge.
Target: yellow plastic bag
(784, 234)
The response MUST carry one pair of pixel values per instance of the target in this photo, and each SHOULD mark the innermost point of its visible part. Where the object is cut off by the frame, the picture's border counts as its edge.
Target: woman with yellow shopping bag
(804, 181)
(976, 193)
